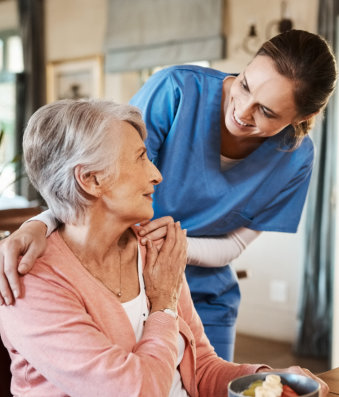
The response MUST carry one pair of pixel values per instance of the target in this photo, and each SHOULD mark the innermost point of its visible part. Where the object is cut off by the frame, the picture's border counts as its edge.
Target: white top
(136, 309)
(137, 312)
(226, 163)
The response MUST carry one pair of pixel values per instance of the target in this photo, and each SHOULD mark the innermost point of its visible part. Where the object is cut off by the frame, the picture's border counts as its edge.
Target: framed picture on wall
(75, 78)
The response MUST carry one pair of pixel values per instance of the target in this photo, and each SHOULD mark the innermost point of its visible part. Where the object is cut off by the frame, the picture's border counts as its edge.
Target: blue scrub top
(181, 107)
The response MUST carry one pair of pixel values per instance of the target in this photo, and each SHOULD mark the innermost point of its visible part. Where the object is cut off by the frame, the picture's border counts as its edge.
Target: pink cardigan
(70, 336)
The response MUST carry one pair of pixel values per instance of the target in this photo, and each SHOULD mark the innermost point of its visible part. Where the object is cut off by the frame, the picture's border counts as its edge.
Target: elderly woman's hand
(164, 269)
(29, 241)
(155, 230)
(324, 389)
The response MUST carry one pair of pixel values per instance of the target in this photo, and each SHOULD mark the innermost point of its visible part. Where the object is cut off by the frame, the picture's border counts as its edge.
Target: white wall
(8, 15)
(270, 295)
(74, 28)
(240, 14)
(335, 320)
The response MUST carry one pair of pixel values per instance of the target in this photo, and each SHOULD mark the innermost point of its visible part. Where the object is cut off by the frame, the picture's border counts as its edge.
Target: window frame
(7, 76)
(5, 35)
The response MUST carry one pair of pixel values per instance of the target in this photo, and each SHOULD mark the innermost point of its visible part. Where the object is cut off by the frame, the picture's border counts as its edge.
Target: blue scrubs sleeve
(158, 103)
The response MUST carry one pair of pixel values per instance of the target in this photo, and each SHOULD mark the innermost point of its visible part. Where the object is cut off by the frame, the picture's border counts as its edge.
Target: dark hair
(306, 59)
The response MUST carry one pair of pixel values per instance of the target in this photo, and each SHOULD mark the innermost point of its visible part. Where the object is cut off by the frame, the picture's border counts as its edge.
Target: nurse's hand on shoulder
(28, 242)
(154, 230)
(164, 269)
(324, 389)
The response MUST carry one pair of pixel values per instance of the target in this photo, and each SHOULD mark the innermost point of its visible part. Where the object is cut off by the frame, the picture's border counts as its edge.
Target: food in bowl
(271, 386)
(303, 386)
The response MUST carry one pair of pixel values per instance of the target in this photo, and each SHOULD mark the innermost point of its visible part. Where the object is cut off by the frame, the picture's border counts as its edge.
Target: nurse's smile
(260, 101)
(239, 122)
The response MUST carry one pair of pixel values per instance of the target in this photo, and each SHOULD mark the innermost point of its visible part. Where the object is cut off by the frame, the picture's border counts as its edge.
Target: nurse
(236, 159)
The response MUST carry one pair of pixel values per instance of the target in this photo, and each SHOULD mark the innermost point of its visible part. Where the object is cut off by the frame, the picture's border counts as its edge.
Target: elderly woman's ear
(90, 182)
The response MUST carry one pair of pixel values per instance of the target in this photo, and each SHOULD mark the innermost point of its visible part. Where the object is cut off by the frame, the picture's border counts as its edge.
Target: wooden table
(332, 379)
(12, 219)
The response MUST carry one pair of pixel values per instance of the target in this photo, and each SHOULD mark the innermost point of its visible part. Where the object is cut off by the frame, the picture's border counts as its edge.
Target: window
(11, 62)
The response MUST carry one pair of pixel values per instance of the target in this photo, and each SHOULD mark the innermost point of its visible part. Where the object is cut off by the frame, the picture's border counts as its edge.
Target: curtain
(30, 83)
(146, 33)
(315, 317)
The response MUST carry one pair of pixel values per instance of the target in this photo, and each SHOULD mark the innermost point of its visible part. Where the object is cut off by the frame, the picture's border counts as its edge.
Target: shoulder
(56, 248)
(305, 150)
(297, 163)
(307, 143)
(57, 265)
(180, 72)
(189, 81)
(302, 153)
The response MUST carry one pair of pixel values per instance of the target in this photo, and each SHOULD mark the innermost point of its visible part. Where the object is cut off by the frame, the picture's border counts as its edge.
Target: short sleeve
(284, 211)
(158, 103)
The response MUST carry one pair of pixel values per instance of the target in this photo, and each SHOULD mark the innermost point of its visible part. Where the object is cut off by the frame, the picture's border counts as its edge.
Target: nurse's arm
(219, 251)
(202, 251)
(28, 242)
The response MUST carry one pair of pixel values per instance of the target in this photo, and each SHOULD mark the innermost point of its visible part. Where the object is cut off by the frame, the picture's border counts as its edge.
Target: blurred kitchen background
(51, 49)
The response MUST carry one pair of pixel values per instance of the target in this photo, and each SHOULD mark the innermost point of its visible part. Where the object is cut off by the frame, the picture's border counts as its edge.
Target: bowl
(304, 386)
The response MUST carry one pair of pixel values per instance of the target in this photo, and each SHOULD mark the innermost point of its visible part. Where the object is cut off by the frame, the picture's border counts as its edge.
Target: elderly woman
(101, 315)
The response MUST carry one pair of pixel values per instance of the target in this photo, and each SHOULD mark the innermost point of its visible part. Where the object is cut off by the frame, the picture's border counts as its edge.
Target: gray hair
(67, 133)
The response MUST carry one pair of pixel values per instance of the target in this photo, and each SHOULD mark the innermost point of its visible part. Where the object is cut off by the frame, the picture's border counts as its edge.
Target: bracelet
(170, 312)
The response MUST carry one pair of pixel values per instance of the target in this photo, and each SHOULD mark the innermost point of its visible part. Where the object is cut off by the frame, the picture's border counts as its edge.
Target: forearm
(48, 219)
(20, 251)
(219, 251)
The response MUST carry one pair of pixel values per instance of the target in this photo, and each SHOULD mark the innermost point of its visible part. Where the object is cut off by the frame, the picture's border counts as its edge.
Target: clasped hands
(166, 259)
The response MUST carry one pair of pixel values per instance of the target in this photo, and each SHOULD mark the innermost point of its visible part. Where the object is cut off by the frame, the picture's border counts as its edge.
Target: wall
(8, 15)
(76, 28)
(335, 320)
(335, 323)
(240, 14)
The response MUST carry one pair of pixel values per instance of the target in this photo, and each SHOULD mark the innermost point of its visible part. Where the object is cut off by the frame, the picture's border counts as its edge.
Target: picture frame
(75, 78)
